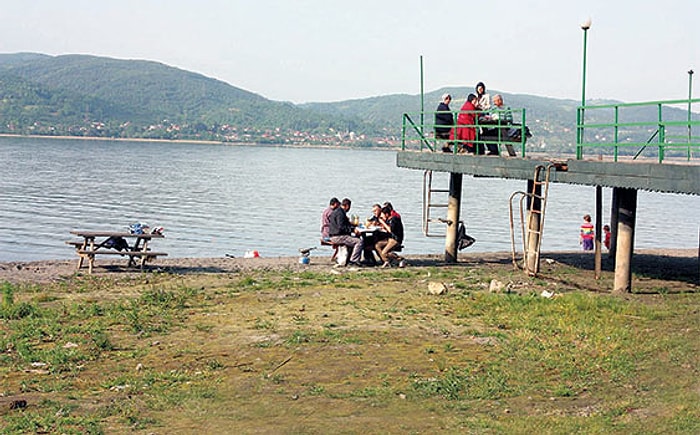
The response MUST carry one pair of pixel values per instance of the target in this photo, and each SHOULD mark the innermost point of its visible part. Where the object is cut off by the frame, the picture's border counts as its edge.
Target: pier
(656, 155)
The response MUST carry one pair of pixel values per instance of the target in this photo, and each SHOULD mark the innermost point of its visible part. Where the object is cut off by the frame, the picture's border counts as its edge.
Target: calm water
(215, 199)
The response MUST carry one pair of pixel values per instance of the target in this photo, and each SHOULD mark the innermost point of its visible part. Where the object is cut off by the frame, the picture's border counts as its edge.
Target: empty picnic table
(92, 243)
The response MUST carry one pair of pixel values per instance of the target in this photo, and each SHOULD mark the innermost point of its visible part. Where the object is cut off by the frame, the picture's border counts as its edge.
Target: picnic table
(92, 243)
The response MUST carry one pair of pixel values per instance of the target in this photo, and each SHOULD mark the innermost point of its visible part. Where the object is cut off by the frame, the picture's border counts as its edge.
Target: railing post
(403, 132)
(523, 128)
(617, 140)
(579, 135)
(662, 134)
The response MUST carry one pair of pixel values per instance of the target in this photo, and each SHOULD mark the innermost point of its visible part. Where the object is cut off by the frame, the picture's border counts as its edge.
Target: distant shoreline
(118, 139)
(191, 141)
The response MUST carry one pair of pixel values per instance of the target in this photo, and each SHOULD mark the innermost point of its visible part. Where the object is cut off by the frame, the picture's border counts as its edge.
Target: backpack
(463, 239)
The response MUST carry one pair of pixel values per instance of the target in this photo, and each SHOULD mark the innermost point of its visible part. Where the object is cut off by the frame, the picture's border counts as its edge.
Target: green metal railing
(602, 129)
(421, 135)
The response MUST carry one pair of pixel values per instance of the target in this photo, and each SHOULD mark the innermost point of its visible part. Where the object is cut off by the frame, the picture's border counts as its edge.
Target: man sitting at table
(341, 231)
(387, 248)
(500, 116)
(370, 238)
(325, 218)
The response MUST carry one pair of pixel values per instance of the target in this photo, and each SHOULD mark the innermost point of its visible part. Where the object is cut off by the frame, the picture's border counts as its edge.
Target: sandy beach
(662, 263)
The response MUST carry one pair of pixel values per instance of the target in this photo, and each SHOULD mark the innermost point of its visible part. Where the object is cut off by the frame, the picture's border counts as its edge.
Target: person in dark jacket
(341, 231)
(444, 121)
(387, 248)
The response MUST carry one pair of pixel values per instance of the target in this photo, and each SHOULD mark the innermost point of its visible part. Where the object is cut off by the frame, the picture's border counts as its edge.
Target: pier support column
(598, 230)
(534, 225)
(614, 214)
(454, 203)
(627, 212)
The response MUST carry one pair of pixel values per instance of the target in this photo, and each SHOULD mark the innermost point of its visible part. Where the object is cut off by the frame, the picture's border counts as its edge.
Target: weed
(102, 341)
(264, 324)
(298, 337)
(11, 310)
(316, 390)
(215, 364)
(203, 328)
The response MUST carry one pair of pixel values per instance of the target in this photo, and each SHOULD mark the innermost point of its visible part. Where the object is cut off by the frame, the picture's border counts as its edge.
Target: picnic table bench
(93, 243)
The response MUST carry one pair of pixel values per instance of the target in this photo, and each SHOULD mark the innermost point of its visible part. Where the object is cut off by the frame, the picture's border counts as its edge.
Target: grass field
(366, 351)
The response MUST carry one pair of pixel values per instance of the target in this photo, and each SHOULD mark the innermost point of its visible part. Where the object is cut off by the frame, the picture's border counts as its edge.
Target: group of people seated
(477, 120)
(382, 233)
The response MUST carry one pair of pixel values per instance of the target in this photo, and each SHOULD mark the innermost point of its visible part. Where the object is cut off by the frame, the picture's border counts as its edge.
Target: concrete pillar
(598, 230)
(532, 265)
(454, 203)
(627, 213)
(614, 213)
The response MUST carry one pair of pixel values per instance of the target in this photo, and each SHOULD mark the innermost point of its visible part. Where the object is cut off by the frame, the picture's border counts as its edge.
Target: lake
(215, 200)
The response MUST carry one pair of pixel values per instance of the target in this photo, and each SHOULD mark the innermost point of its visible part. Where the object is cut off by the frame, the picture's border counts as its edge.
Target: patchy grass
(371, 351)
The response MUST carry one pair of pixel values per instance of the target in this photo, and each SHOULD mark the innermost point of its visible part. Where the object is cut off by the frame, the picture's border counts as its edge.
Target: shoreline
(196, 142)
(681, 263)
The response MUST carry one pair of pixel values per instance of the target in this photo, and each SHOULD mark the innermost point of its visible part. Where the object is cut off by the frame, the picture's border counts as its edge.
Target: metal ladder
(541, 184)
(429, 205)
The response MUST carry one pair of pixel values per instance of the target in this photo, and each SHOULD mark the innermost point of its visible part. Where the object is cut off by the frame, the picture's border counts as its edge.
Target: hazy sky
(327, 50)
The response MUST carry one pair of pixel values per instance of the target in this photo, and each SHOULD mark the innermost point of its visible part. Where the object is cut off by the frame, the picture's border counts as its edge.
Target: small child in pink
(587, 233)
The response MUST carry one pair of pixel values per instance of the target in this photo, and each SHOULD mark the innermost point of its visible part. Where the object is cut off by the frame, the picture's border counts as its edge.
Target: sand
(664, 263)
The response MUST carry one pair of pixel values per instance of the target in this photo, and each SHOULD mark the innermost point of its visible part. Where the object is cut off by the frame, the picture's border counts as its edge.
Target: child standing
(587, 233)
(606, 239)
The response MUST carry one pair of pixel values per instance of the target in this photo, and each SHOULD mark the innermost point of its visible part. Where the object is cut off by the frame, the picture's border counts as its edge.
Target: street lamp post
(584, 26)
(690, 97)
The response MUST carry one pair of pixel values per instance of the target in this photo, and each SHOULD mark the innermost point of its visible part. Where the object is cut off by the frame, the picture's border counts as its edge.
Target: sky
(327, 50)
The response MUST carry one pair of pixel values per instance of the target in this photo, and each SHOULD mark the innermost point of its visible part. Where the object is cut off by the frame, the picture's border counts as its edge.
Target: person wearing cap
(444, 121)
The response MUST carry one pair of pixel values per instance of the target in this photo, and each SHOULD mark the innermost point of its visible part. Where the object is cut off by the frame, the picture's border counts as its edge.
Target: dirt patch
(673, 265)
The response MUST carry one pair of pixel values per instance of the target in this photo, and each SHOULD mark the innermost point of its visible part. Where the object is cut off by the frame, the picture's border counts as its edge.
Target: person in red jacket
(465, 132)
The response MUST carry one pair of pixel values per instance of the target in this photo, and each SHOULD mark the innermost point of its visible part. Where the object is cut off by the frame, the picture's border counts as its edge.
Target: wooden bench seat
(332, 245)
(129, 253)
(143, 256)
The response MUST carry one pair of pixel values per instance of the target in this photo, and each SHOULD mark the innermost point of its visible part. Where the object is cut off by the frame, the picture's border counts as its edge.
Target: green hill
(82, 95)
(78, 94)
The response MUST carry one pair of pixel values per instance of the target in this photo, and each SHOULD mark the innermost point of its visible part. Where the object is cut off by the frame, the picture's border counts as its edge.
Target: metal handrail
(667, 131)
(432, 143)
(424, 140)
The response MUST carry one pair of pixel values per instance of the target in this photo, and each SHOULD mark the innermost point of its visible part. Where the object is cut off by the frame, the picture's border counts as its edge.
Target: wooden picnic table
(92, 243)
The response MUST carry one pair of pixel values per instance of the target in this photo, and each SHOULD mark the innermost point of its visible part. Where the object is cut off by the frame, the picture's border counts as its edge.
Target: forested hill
(80, 95)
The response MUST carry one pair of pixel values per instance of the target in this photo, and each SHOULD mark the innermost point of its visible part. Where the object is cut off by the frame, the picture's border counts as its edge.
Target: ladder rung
(437, 205)
(440, 190)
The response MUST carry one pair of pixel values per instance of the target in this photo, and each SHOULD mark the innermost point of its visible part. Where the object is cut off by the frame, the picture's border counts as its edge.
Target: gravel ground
(670, 263)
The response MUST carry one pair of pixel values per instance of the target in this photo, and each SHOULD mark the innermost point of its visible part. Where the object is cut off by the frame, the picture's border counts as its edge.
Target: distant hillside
(81, 95)
(78, 94)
